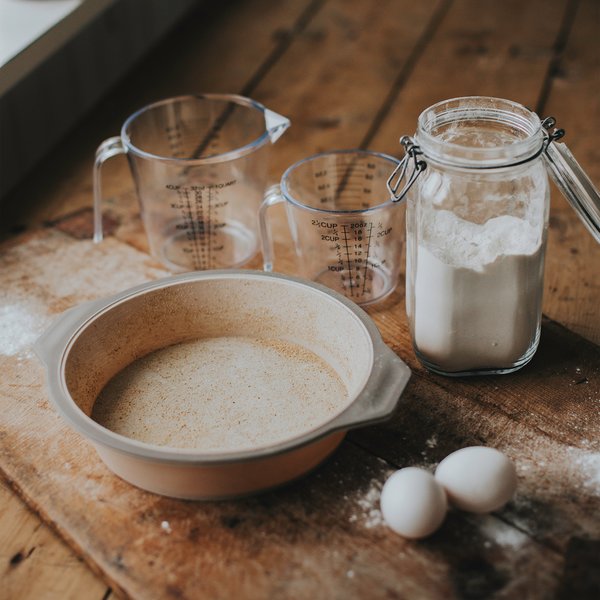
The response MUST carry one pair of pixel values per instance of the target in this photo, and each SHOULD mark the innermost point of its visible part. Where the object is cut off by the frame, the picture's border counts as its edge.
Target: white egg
(477, 479)
(413, 504)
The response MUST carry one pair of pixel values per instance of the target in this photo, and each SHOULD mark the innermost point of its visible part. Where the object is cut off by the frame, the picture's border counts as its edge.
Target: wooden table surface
(348, 73)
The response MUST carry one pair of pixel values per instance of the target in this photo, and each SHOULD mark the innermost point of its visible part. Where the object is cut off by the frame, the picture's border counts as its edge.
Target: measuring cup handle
(107, 149)
(273, 196)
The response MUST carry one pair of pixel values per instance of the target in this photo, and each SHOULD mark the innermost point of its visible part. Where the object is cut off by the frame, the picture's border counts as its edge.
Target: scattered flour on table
(588, 467)
(562, 467)
(430, 444)
(432, 441)
(49, 273)
(368, 502)
(501, 533)
(20, 326)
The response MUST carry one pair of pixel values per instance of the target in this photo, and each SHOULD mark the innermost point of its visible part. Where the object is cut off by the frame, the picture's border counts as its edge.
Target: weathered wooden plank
(30, 299)
(334, 78)
(572, 290)
(475, 52)
(35, 562)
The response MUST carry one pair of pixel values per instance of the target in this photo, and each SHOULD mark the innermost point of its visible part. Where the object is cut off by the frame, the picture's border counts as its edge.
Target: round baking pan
(264, 314)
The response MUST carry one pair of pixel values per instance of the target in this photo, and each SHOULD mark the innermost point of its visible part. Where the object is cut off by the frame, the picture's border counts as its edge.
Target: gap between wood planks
(405, 72)
(403, 75)
(33, 507)
(409, 65)
(280, 49)
(558, 48)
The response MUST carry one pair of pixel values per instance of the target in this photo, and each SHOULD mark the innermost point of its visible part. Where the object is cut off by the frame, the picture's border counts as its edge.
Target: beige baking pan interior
(245, 364)
(219, 383)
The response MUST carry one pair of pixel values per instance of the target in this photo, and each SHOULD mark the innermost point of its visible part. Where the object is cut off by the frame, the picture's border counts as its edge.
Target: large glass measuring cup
(200, 165)
(346, 230)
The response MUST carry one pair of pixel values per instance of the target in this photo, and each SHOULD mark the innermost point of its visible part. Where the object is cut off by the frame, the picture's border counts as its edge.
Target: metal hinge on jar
(411, 150)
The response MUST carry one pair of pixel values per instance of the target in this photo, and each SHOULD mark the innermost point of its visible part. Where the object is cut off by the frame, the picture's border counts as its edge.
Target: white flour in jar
(477, 291)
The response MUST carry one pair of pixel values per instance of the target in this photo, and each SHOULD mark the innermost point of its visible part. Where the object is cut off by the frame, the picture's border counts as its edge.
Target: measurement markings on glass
(193, 222)
(190, 219)
(200, 208)
(370, 230)
(357, 236)
(208, 233)
(204, 205)
(175, 137)
(352, 178)
(348, 262)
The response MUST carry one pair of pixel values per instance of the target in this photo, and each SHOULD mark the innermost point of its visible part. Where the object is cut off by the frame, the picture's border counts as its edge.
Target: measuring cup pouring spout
(347, 231)
(200, 167)
(276, 124)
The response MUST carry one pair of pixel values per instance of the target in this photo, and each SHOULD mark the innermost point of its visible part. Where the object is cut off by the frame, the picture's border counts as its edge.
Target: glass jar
(475, 178)
(476, 224)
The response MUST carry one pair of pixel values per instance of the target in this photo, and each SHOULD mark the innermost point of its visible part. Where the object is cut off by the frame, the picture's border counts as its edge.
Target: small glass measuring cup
(346, 230)
(199, 163)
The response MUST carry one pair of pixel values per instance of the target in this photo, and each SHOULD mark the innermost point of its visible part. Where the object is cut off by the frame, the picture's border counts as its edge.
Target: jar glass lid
(576, 186)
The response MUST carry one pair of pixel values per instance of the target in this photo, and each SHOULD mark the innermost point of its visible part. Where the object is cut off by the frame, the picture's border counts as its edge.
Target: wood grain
(36, 563)
(572, 289)
(347, 73)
